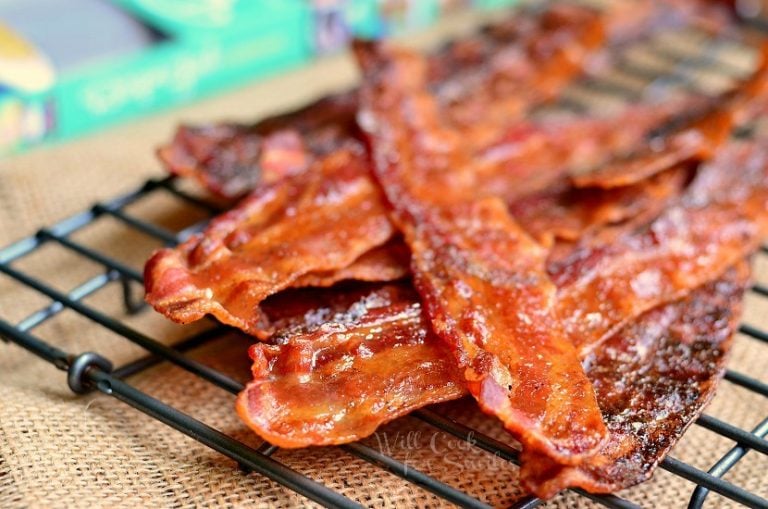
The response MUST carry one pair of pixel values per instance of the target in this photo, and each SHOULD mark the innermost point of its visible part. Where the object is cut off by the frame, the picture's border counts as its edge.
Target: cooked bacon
(658, 363)
(266, 244)
(480, 276)
(304, 225)
(697, 136)
(623, 310)
(340, 380)
(384, 263)
(695, 143)
(231, 159)
(744, 190)
(652, 380)
(717, 222)
(329, 379)
(566, 213)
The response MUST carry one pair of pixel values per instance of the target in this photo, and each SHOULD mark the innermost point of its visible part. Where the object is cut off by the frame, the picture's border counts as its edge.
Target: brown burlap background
(58, 450)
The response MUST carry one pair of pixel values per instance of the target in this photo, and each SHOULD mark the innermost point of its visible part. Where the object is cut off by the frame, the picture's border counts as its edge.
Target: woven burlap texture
(61, 450)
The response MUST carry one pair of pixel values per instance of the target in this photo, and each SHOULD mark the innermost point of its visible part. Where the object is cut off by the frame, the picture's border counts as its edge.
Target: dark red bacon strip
(718, 221)
(339, 381)
(652, 380)
(697, 135)
(276, 236)
(481, 278)
(305, 225)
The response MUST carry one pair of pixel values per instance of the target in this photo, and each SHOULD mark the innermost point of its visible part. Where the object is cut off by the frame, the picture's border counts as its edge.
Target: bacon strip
(339, 381)
(566, 213)
(313, 222)
(480, 276)
(719, 220)
(329, 379)
(231, 159)
(697, 136)
(388, 262)
(652, 380)
(268, 243)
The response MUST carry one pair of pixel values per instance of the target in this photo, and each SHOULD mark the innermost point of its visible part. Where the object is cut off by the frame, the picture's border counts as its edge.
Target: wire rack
(89, 371)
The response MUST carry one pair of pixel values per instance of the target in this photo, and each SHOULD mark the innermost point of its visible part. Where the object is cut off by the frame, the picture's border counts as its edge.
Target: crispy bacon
(328, 379)
(276, 236)
(652, 380)
(695, 143)
(269, 242)
(625, 320)
(696, 136)
(480, 276)
(341, 379)
(718, 221)
(616, 387)
(566, 213)
(230, 159)
(179, 287)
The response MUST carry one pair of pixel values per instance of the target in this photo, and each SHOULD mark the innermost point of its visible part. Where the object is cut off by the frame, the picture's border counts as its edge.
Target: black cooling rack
(88, 371)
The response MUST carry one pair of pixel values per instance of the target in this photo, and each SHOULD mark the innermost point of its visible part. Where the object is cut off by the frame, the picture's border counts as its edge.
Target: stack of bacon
(580, 278)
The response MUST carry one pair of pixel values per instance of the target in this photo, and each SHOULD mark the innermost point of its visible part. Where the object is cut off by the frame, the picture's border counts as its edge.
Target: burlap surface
(58, 450)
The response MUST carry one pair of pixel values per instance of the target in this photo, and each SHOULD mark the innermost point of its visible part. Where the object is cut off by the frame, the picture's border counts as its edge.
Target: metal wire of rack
(88, 371)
